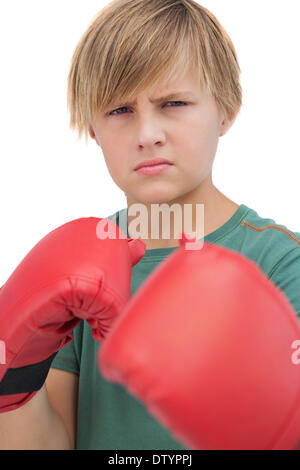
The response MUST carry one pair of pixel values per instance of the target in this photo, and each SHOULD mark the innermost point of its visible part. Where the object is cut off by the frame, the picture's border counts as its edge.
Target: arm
(62, 387)
(206, 345)
(51, 417)
(34, 426)
(43, 301)
(70, 275)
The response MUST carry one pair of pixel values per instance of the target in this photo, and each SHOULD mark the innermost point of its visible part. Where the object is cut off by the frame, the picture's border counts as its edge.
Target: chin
(158, 195)
(156, 199)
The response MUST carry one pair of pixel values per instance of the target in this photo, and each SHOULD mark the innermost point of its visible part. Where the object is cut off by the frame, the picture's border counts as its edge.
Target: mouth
(154, 169)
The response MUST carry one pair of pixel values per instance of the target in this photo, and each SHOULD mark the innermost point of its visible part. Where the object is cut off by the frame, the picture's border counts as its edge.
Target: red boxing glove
(70, 275)
(206, 344)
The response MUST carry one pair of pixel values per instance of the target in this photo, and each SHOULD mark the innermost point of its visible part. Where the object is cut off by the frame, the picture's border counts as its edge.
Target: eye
(118, 111)
(115, 111)
(177, 102)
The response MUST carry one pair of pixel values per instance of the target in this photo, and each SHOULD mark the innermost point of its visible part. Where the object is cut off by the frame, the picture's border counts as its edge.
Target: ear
(226, 124)
(92, 134)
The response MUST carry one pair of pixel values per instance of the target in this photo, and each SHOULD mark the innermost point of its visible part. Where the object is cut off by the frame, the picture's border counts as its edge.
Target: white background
(48, 177)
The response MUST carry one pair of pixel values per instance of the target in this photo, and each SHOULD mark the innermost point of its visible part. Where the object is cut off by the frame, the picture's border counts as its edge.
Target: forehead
(177, 82)
(187, 86)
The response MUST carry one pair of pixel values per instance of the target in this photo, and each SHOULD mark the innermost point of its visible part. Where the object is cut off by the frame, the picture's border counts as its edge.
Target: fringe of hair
(133, 44)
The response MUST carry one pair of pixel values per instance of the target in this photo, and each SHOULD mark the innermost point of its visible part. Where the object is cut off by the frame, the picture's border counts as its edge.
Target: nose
(149, 132)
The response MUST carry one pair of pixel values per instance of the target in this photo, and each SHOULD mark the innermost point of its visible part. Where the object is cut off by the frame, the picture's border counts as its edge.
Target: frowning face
(180, 123)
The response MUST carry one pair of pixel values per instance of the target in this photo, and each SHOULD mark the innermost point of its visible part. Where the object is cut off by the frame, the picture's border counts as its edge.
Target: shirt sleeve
(286, 275)
(68, 358)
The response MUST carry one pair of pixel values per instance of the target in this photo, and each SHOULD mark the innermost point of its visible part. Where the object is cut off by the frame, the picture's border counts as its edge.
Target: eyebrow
(171, 96)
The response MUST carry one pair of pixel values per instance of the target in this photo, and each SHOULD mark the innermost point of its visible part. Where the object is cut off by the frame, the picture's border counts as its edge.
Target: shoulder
(120, 219)
(276, 249)
(271, 230)
(268, 241)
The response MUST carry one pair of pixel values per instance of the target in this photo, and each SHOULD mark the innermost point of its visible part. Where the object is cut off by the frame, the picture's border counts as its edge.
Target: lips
(156, 161)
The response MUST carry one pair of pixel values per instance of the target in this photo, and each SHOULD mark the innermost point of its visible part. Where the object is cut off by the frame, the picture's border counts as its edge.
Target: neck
(199, 213)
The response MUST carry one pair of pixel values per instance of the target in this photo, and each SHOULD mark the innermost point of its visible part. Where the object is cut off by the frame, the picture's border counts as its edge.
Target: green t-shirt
(108, 416)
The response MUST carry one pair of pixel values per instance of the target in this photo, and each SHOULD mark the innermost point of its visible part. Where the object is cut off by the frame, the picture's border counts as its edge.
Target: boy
(155, 84)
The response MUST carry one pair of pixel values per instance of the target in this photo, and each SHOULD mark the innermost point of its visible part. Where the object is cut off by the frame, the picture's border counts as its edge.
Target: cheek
(114, 155)
(202, 140)
(113, 163)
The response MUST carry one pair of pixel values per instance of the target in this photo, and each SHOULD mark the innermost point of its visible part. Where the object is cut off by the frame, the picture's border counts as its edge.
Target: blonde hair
(133, 44)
